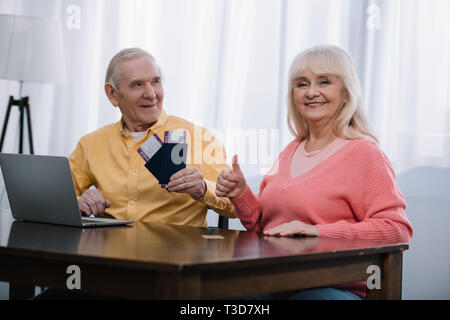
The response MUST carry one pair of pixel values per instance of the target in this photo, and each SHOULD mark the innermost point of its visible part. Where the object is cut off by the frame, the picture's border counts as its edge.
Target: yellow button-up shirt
(108, 159)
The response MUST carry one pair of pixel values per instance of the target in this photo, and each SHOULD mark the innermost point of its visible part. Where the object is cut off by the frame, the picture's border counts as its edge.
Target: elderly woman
(332, 180)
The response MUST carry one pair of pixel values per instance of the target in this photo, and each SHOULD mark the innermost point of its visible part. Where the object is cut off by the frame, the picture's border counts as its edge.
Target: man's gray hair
(125, 54)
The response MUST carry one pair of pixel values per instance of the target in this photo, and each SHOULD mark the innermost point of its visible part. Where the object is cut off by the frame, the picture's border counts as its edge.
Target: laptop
(40, 189)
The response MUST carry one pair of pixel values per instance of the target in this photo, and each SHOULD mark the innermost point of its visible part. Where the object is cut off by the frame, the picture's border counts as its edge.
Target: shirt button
(133, 174)
(129, 146)
(132, 202)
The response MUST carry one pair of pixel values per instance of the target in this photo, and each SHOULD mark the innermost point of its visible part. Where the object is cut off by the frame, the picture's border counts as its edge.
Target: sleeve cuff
(246, 203)
(222, 206)
(210, 194)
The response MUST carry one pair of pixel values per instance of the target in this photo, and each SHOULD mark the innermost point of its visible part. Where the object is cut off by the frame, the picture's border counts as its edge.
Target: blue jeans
(311, 294)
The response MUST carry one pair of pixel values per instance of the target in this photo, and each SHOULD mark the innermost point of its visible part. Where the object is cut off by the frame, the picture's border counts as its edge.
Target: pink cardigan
(351, 194)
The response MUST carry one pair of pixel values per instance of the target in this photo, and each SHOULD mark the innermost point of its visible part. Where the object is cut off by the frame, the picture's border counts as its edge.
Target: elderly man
(108, 159)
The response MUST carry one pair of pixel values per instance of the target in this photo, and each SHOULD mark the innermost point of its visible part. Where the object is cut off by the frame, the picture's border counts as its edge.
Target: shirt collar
(160, 122)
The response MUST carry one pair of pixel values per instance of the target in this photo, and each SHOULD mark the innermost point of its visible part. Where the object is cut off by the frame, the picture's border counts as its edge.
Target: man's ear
(111, 94)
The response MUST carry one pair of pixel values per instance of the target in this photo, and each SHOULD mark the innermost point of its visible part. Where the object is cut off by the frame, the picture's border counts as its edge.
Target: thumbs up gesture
(231, 182)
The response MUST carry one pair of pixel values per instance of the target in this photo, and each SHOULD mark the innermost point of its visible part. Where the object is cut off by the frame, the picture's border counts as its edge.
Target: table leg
(391, 278)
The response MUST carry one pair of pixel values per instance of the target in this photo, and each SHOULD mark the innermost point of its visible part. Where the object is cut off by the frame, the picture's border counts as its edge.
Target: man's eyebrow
(144, 80)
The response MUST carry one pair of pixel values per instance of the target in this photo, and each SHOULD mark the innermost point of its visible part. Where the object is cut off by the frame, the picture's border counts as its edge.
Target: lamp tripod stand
(23, 105)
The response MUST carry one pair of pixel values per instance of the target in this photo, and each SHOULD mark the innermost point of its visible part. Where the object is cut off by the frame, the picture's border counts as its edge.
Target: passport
(165, 159)
(169, 159)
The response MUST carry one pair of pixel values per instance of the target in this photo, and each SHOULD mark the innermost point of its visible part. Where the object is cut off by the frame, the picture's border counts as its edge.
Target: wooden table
(158, 261)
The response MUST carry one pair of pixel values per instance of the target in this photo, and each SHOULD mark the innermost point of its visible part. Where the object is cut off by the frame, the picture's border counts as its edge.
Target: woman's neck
(320, 135)
(318, 140)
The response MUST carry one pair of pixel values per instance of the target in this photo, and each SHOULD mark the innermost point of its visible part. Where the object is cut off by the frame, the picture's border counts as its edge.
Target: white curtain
(225, 65)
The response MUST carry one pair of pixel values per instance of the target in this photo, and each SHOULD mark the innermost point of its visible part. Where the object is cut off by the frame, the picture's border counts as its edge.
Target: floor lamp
(30, 51)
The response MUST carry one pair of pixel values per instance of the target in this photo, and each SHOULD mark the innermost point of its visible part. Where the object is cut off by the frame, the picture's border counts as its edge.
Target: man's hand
(291, 229)
(231, 182)
(188, 180)
(92, 202)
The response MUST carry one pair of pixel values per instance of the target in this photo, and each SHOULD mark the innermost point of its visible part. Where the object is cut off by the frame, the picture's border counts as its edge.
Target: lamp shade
(31, 49)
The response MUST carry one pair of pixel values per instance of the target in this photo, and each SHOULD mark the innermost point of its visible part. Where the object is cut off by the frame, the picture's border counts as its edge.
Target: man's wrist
(205, 188)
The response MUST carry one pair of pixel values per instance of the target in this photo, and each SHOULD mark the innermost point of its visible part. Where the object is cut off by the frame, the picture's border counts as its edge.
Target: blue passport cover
(169, 159)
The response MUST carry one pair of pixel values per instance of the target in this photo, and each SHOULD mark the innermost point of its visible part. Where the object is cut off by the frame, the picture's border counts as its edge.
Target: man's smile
(148, 105)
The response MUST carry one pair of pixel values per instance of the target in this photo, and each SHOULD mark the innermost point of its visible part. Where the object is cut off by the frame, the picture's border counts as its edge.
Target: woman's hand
(291, 229)
(231, 182)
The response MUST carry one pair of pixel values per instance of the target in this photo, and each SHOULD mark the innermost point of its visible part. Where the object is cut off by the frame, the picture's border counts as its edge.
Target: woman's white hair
(332, 60)
(125, 54)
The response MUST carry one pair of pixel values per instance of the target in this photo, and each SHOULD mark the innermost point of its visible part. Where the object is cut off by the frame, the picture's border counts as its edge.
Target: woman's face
(319, 98)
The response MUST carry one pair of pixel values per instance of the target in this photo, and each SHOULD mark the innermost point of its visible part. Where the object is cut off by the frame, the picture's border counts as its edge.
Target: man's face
(140, 93)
